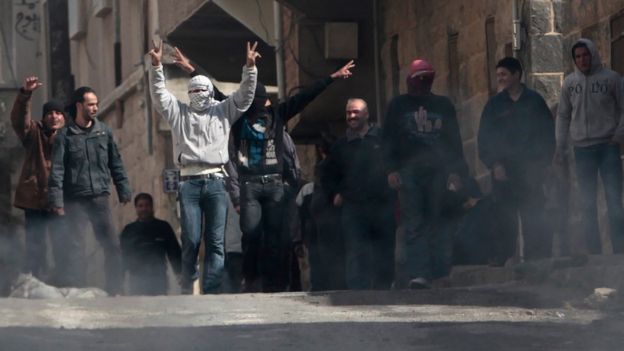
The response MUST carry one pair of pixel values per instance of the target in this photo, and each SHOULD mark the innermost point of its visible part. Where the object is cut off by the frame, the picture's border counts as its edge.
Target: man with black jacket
(356, 180)
(517, 142)
(259, 147)
(84, 159)
(423, 153)
(144, 245)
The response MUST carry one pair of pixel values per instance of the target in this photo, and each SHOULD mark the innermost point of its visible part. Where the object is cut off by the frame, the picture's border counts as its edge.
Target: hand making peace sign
(344, 72)
(156, 53)
(252, 54)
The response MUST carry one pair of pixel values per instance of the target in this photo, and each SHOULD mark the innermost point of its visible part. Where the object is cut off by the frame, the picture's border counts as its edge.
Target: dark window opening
(617, 43)
(394, 64)
(490, 42)
(453, 66)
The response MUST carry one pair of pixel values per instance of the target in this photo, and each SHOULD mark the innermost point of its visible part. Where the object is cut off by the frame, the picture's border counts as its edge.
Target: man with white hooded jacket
(200, 133)
(591, 113)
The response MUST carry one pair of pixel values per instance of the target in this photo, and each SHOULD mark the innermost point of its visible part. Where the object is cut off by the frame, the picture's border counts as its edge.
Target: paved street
(447, 319)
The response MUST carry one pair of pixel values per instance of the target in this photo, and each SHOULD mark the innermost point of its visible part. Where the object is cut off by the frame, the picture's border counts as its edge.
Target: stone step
(576, 272)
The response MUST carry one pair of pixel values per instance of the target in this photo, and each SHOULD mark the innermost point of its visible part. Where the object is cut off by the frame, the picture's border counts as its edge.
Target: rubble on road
(28, 287)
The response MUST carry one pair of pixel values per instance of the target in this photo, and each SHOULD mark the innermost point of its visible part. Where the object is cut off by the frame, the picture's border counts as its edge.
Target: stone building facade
(106, 42)
(464, 40)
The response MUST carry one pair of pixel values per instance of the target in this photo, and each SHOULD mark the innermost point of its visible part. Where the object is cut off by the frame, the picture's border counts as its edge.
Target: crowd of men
(388, 207)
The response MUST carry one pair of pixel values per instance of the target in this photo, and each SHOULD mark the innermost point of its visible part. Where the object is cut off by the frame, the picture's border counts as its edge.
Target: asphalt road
(446, 319)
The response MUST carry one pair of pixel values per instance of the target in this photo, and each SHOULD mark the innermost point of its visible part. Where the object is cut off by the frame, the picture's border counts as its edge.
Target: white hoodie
(591, 107)
(201, 137)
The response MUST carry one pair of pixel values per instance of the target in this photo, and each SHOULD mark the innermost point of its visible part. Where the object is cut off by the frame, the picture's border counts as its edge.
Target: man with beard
(357, 182)
(31, 195)
(200, 132)
(423, 155)
(84, 159)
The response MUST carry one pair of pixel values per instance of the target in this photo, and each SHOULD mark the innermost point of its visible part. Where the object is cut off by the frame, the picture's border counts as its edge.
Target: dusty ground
(495, 318)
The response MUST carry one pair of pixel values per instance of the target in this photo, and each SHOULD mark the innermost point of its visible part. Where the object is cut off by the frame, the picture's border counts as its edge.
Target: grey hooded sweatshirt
(591, 107)
(201, 137)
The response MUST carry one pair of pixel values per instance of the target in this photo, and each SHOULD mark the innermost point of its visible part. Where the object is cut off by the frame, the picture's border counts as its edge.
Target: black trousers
(96, 210)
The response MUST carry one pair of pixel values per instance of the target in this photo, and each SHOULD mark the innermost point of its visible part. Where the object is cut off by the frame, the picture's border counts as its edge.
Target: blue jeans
(420, 199)
(203, 199)
(603, 158)
(261, 221)
(368, 230)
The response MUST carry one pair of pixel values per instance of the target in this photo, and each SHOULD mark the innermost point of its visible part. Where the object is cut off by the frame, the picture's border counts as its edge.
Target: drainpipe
(117, 43)
(376, 61)
(517, 43)
(279, 50)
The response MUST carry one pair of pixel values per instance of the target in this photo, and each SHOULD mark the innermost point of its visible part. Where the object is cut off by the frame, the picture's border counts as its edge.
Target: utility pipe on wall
(279, 50)
(517, 40)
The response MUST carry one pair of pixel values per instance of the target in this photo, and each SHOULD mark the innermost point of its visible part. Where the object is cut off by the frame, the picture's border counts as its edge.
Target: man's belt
(203, 176)
(261, 178)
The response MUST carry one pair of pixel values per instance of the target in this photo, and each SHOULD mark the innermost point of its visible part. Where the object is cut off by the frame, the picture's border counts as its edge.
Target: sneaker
(419, 283)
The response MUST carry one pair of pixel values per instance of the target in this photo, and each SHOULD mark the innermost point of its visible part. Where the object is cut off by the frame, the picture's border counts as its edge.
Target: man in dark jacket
(144, 245)
(423, 153)
(517, 142)
(356, 179)
(258, 140)
(84, 159)
(31, 194)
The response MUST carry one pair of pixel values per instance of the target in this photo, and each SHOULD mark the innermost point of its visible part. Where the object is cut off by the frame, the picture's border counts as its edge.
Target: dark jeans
(261, 221)
(522, 195)
(96, 210)
(203, 199)
(326, 253)
(39, 224)
(368, 229)
(603, 159)
(420, 199)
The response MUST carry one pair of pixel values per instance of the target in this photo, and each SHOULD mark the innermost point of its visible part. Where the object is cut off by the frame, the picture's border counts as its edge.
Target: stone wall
(422, 29)
(549, 29)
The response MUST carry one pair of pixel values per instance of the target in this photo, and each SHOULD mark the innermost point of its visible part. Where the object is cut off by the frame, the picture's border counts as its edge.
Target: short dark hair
(78, 96)
(143, 196)
(512, 64)
(578, 44)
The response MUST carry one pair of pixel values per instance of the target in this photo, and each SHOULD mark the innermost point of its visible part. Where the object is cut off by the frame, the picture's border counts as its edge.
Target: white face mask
(200, 100)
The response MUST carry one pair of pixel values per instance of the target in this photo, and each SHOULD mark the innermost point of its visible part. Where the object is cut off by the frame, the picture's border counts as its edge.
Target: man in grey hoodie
(591, 116)
(200, 132)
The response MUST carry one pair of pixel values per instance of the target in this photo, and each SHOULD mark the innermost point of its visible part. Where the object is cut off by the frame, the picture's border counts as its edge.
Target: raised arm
(164, 102)
(242, 98)
(21, 120)
(298, 102)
